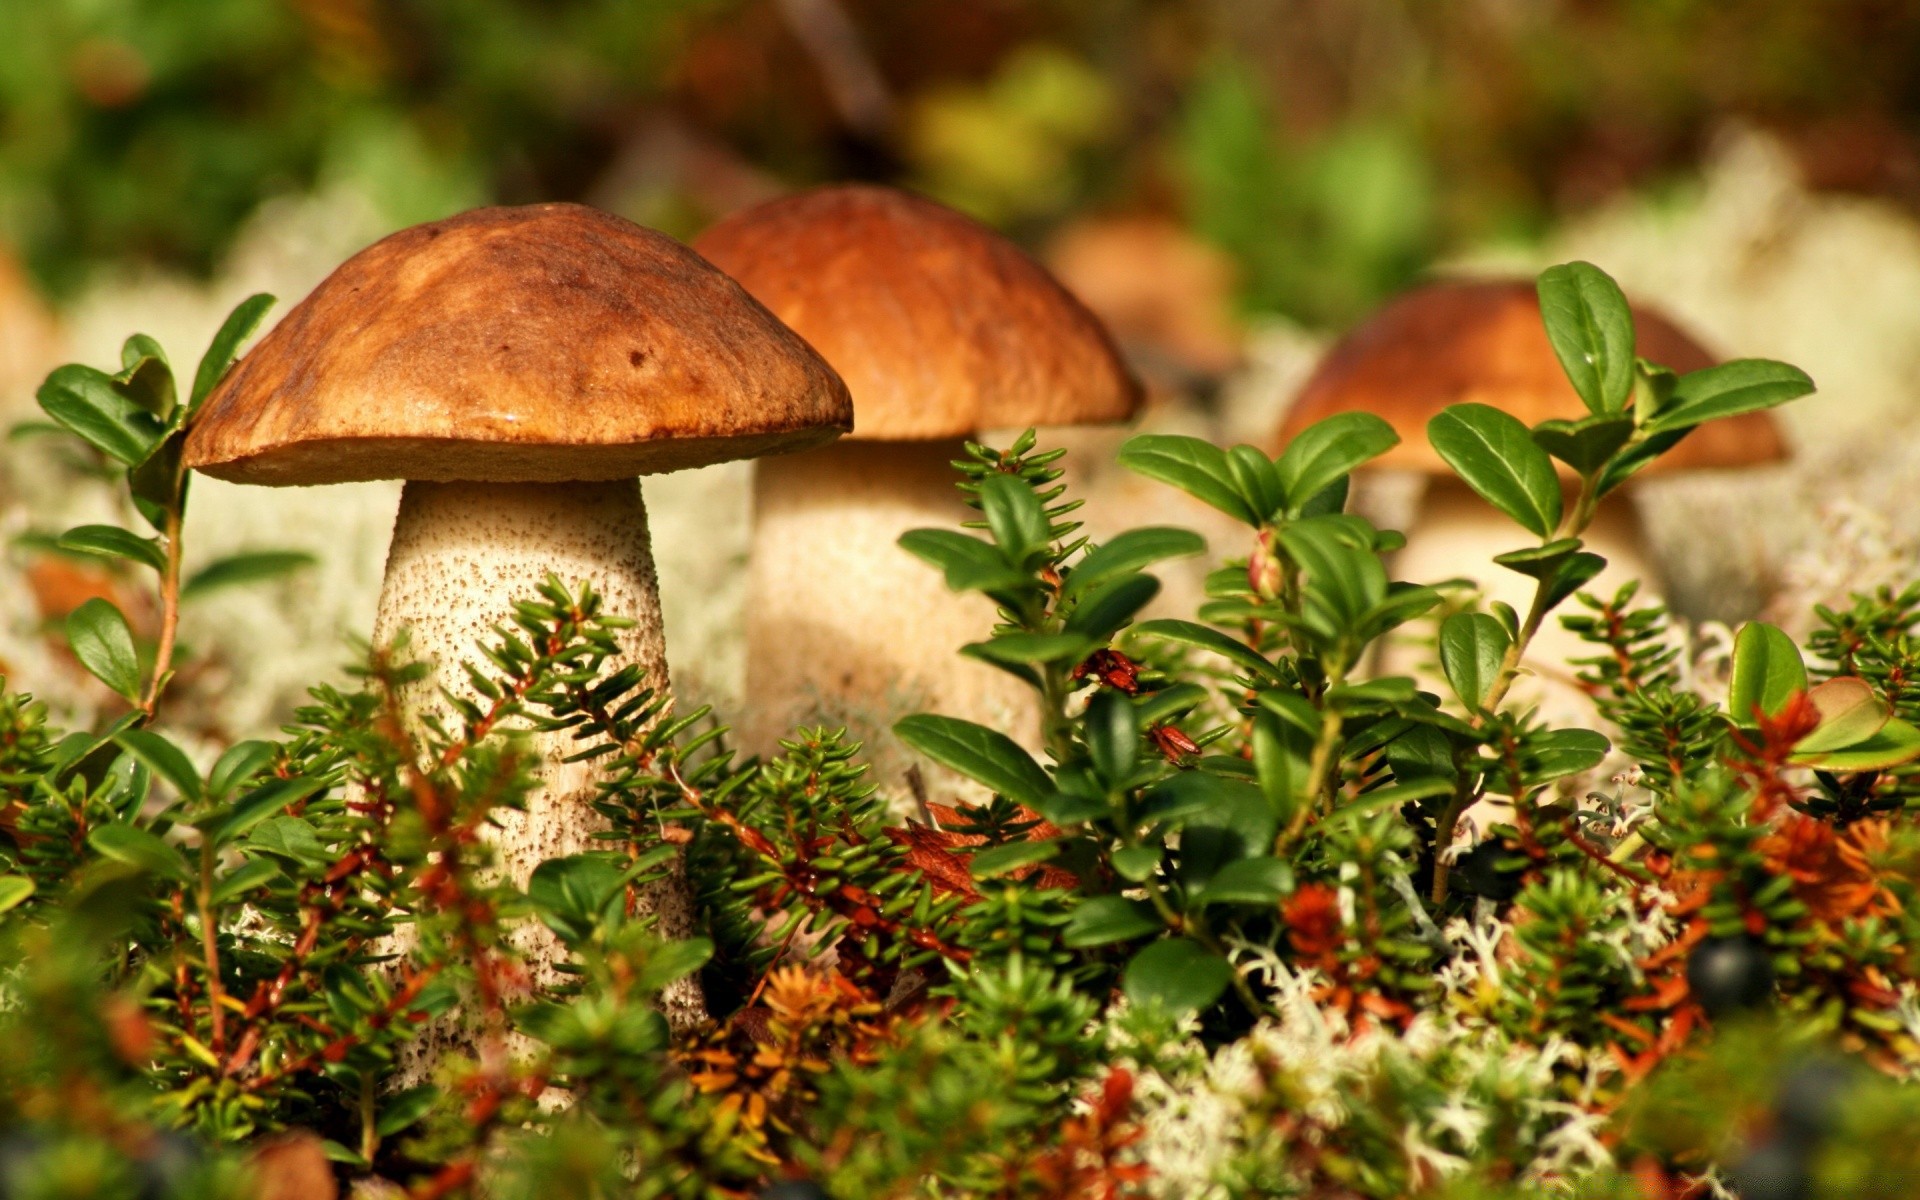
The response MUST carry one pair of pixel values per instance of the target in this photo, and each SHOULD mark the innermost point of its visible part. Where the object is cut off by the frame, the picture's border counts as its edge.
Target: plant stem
(1319, 765)
(169, 613)
(1573, 524)
(210, 944)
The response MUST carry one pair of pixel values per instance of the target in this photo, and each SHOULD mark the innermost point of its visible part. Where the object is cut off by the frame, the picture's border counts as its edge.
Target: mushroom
(519, 367)
(941, 328)
(1483, 341)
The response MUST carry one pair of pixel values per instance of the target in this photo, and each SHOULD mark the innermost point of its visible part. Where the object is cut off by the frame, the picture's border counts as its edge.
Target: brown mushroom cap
(940, 326)
(1455, 342)
(517, 345)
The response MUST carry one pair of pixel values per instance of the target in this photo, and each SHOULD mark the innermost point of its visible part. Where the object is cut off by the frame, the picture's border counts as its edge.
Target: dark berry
(1811, 1095)
(794, 1189)
(1729, 974)
(1489, 870)
(1774, 1171)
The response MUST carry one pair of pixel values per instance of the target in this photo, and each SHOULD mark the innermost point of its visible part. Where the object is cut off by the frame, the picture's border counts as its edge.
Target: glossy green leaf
(984, 755)
(996, 861)
(1591, 329)
(1015, 517)
(111, 541)
(256, 807)
(254, 873)
(1033, 648)
(225, 347)
(1260, 881)
(165, 759)
(243, 568)
(148, 382)
(1196, 467)
(1729, 389)
(1178, 975)
(1472, 648)
(85, 402)
(103, 643)
(970, 565)
(1895, 744)
(1103, 920)
(1586, 444)
(15, 890)
(1497, 457)
(1136, 864)
(239, 763)
(1767, 672)
(140, 848)
(1128, 552)
(1111, 730)
(1326, 451)
(1850, 713)
(1104, 610)
(1550, 754)
(1235, 651)
(403, 1110)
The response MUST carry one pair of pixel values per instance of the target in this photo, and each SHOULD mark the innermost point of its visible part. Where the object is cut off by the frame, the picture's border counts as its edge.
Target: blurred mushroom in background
(1483, 342)
(941, 328)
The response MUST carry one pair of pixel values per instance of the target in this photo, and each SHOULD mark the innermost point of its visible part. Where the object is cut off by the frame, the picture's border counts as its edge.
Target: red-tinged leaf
(928, 854)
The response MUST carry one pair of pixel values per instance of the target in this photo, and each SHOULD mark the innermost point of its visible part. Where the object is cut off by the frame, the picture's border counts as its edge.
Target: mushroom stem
(843, 626)
(462, 554)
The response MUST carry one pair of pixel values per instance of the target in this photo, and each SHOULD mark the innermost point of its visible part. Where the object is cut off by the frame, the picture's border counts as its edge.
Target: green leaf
(1741, 386)
(1560, 564)
(1850, 713)
(1195, 467)
(1497, 457)
(1391, 796)
(1586, 444)
(403, 1110)
(85, 402)
(1281, 757)
(1103, 920)
(156, 485)
(1015, 516)
(1104, 610)
(1033, 648)
(1178, 975)
(1111, 729)
(15, 890)
(1256, 480)
(243, 568)
(1472, 648)
(139, 346)
(239, 763)
(1136, 864)
(1591, 329)
(165, 760)
(1345, 579)
(137, 847)
(236, 329)
(575, 894)
(1235, 651)
(111, 541)
(1767, 672)
(148, 382)
(969, 564)
(996, 861)
(1552, 753)
(249, 875)
(103, 643)
(292, 838)
(1895, 744)
(981, 754)
(257, 806)
(1323, 453)
(1260, 881)
(1127, 552)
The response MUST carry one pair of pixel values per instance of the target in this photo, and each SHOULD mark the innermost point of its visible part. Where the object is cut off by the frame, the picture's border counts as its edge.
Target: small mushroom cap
(940, 326)
(1483, 342)
(517, 345)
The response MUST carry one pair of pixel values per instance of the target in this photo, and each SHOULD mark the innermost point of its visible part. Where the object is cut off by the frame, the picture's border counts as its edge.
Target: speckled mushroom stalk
(845, 629)
(462, 555)
(520, 368)
(941, 328)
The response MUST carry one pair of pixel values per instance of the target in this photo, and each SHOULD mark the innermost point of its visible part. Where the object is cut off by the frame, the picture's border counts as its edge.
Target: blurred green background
(1332, 148)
